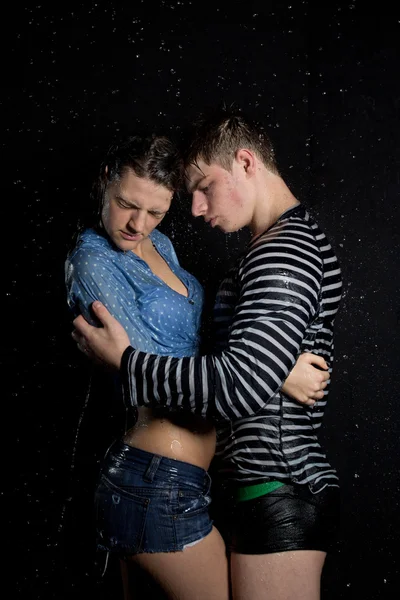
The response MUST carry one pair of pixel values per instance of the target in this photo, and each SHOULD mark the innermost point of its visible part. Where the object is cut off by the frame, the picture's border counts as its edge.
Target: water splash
(68, 499)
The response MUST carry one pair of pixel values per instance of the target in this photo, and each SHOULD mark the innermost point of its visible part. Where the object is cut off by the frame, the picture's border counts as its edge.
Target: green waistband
(255, 491)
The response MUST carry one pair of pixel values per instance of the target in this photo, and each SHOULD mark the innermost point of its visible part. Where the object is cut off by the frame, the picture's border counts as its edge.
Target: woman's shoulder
(161, 240)
(92, 245)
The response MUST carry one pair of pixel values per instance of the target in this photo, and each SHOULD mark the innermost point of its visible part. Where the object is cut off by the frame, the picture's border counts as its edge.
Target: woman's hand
(305, 382)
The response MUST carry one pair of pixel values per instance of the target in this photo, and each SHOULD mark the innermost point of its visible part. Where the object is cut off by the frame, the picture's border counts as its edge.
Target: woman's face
(133, 207)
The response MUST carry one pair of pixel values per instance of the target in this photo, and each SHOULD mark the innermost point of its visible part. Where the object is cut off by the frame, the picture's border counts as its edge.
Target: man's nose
(199, 204)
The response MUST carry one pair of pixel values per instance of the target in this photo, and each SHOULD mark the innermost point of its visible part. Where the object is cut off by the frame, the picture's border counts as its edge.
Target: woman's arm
(90, 277)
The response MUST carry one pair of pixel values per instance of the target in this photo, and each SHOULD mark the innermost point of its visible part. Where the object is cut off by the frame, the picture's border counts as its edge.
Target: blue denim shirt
(156, 318)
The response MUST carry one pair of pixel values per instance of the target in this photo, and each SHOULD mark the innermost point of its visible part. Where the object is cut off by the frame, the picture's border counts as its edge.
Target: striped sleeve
(278, 287)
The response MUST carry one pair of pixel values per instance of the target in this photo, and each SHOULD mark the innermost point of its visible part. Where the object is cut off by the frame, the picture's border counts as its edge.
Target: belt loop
(152, 468)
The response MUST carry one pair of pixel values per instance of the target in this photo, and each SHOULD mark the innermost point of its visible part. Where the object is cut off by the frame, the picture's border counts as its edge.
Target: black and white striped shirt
(280, 299)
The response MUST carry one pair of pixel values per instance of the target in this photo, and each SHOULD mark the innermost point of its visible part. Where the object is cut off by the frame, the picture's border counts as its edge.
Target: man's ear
(246, 160)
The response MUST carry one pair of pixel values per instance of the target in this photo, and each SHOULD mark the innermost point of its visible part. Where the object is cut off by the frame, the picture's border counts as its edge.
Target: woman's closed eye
(123, 204)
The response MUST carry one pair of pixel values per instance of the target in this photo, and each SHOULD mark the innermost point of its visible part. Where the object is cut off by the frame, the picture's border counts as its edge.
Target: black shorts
(289, 518)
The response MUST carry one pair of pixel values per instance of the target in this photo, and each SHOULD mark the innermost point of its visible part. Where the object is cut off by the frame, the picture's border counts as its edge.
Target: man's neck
(274, 199)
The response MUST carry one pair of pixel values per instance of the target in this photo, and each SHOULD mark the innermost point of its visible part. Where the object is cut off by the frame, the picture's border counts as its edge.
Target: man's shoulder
(296, 219)
(289, 232)
(293, 243)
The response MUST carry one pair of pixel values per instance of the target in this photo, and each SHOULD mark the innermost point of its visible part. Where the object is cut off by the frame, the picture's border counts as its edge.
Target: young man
(281, 503)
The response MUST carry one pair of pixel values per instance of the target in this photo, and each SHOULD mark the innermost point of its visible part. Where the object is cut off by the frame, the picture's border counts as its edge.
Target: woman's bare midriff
(181, 436)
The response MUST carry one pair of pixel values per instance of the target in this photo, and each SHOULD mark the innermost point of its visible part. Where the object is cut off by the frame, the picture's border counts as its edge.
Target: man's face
(219, 196)
(133, 207)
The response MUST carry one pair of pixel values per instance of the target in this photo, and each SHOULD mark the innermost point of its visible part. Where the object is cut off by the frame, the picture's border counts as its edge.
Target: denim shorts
(289, 518)
(148, 503)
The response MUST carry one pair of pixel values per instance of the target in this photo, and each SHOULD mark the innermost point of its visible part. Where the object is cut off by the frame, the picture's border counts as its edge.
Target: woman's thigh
(198, 572)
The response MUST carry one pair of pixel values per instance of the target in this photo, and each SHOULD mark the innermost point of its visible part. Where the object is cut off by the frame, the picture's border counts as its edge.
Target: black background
(325, 81)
